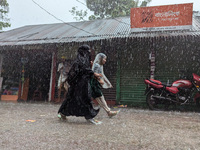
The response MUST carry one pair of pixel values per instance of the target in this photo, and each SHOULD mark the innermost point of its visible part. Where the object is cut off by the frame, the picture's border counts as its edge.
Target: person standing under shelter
(78, 100)
(101, 81)
(63, 69)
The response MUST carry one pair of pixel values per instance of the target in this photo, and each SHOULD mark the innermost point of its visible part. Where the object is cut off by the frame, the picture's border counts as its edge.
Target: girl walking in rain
(99, 82)
(78, 100)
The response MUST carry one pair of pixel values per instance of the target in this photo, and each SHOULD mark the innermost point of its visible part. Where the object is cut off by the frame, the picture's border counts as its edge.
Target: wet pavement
(31, 126)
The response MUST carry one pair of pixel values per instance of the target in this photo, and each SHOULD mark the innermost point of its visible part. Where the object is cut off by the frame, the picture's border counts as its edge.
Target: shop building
(30, 56)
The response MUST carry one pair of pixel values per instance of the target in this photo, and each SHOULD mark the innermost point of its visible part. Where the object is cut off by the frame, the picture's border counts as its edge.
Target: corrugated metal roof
(80, 31)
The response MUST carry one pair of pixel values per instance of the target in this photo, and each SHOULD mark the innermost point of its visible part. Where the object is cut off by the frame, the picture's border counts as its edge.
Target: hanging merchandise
(24, 81)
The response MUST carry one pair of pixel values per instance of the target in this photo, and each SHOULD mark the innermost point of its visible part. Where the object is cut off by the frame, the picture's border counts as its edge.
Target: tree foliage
(110, 8)
(79, 15)
(4, 9)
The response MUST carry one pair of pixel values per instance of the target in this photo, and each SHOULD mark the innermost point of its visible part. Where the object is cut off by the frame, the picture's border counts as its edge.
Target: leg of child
(103, 104)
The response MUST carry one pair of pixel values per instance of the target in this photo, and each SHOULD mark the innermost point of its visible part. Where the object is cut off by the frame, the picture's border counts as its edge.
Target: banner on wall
(159, 18)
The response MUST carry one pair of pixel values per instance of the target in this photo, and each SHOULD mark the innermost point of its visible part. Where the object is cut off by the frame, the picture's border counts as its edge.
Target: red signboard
(167, 17)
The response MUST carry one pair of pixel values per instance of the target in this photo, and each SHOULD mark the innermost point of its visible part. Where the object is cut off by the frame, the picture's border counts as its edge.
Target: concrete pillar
(53, 78)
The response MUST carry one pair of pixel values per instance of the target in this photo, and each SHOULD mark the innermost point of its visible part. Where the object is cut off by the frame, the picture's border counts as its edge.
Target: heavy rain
(149, 66)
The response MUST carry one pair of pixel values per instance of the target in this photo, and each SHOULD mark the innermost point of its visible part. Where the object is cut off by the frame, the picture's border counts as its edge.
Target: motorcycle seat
(159, 83)
(155, 81)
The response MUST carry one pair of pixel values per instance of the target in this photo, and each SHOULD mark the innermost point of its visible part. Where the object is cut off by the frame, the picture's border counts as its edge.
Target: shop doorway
(38, 73)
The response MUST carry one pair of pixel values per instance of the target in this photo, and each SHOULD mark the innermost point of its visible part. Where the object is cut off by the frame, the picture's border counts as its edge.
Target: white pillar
(53, 78)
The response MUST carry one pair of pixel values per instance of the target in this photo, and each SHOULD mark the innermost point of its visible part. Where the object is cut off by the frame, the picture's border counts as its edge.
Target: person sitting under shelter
(63, 69)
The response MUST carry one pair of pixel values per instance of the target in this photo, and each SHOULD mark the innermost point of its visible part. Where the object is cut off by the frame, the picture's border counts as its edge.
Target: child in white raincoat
(101, 82)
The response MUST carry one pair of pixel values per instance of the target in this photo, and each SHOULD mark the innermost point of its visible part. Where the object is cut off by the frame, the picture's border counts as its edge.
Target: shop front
(25, 76)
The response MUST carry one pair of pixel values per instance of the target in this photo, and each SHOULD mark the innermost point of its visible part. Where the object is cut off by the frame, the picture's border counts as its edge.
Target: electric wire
(81, 3)
(62, 20)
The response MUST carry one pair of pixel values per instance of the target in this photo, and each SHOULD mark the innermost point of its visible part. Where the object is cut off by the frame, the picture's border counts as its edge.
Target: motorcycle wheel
(155, 104)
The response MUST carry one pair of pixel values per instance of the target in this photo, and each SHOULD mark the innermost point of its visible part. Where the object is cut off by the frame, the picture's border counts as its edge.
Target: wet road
(31, 126)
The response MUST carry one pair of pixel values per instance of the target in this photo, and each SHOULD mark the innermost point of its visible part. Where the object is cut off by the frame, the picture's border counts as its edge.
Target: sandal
(94, 121)
(61, 116)
(113, 113)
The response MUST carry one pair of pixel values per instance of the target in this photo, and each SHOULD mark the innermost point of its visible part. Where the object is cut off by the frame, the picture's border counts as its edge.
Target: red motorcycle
(160, 96)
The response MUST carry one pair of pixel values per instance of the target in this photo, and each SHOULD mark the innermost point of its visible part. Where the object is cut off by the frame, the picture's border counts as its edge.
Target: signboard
(157, 18)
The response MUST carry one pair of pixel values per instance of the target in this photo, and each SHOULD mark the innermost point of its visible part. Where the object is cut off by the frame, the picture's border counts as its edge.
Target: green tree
(108, 8)
(4, 9)
(79, 15)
